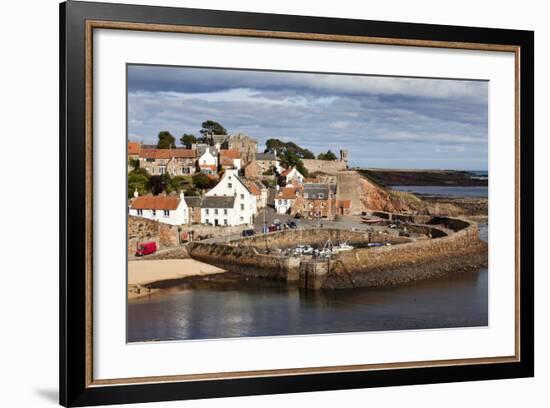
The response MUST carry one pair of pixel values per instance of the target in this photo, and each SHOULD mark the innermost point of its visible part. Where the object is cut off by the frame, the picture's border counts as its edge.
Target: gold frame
(98, 24)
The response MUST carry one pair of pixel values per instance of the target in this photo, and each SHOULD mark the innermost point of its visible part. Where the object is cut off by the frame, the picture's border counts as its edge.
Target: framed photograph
(256, 204)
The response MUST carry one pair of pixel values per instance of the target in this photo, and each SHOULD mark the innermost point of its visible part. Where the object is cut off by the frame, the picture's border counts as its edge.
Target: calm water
(222, 310)
(473, 191)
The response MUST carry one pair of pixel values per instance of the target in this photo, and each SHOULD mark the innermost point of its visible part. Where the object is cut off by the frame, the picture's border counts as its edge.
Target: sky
(384, 122)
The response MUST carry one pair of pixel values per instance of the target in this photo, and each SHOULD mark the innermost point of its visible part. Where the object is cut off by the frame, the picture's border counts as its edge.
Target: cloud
(384, 122)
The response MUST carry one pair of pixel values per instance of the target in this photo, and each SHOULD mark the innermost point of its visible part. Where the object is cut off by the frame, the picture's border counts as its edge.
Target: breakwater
(454, 247)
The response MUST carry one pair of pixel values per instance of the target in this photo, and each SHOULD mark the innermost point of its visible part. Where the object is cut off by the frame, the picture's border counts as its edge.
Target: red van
(146, 248)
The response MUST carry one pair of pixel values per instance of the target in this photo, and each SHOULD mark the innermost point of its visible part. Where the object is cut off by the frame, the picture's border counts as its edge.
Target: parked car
(291, 224)
(146, 248)
(298, 216)
(276, 221)
(248, 233)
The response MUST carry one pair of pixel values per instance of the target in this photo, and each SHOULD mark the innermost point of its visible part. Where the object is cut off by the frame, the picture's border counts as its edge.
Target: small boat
(370, 220)
(344, 246)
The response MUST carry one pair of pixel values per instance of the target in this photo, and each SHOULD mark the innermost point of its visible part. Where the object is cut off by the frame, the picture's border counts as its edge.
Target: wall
(387, 266)
(324, 166)
(144, 230)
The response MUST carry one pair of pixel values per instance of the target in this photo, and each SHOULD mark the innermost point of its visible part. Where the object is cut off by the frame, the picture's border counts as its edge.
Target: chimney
(136, 194)
(182, 195)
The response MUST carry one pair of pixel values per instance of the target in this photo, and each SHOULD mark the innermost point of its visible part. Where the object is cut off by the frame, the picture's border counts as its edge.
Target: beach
(143, 274)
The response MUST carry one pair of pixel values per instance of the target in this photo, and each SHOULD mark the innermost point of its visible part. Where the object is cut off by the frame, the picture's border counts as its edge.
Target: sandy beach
(143, 273)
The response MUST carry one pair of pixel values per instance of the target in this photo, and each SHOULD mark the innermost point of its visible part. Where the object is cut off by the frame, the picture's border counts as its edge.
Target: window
(242, 219)
(286, 202)
(242, 196)
(229, 177)
(229, 185)
(242, 206)
(280, 202)
(154, 212)
(225, 211)
(306, 195)
(216, 211)
(321, 195)
(139, 212)
(207, 211)
(167, 213)
(225, 222)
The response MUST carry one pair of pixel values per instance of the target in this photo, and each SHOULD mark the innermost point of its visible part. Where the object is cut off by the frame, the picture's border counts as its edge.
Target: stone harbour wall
(316, 237)
(246, 260)
(388, 266)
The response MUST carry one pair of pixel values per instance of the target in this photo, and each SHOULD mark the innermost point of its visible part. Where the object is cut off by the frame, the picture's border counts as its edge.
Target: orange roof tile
(208, 166)
(168, 153)
(134, 148)
(230, 153)
(253, 188)
(155, 203)
(287, 193)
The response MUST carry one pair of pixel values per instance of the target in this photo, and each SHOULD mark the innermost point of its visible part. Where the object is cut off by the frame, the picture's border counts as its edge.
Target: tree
(188, 139)
(213, 128)
(158, 184)
(166, 140)
(276, 145)
(202, 181)
(178, 183)
(134, 163)
(326, 156)
(138, 179)
(289, 159)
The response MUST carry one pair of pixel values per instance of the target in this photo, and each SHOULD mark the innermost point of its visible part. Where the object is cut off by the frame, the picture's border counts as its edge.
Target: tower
(344, 155)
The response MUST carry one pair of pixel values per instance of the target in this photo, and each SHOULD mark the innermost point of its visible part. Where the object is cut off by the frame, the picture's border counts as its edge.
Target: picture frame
(78, 20)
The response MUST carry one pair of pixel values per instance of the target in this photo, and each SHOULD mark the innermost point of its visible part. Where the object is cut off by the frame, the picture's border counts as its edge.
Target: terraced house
(175, 162)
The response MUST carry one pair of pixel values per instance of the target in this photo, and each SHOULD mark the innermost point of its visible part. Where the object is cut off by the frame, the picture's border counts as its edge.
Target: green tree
(289, 159)
(134, 163)
(159, 184)
(188, 139)
(326, 156)
(138, 179)
(276, 145)
(166, 140)
(212, 127)
(179, 183)
(202, 181)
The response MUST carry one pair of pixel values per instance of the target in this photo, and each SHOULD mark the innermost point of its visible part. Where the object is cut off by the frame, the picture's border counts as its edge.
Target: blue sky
(383, 121)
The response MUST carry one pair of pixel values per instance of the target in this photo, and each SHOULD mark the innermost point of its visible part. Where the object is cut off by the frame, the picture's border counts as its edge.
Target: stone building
(230, 159)
(194, 205)
(246, 145)
(327, 166)
(315, 200)
(268, 161)
(175, 162)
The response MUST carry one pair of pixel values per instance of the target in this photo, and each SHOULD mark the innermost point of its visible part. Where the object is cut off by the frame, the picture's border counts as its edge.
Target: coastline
(146, 277)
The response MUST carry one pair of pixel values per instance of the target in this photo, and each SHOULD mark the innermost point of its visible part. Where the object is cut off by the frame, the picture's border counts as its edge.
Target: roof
(255, 187)
(318, 191)
(150, 202)
(343, 204)
(134, 148)
(226, 161)
(288, 171)
(193, 201)
(212, 167)
(168, 153)
(230, 153)
(203, 149)
(266, 156)
(218, 202)
(286, 193)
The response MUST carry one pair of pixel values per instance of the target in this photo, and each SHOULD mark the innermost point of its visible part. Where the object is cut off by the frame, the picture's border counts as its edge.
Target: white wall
(29, 300)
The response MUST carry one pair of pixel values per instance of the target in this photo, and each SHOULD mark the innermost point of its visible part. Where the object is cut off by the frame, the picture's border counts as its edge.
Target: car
(298, 216)
(146, 248)
(248, 233)
(276, 221)
(291, 224)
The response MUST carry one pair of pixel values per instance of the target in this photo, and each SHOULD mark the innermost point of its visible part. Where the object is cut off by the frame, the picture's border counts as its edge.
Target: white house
(284, 199)
(292, 174)
(166, 209)
(208, 158)
(243, 206)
